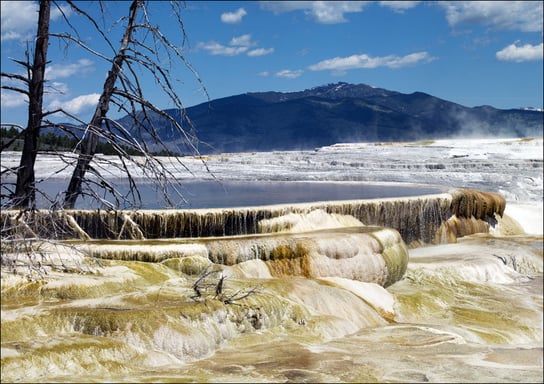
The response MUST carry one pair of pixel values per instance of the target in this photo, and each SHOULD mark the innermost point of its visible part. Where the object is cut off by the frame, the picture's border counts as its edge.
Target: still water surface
(224, 194)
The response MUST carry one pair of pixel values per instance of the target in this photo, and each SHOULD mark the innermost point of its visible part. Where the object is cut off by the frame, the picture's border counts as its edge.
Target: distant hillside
(342, 112)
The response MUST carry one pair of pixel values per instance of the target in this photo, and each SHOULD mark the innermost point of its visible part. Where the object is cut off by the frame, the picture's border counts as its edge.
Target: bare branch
(26, 252)
(214, 280)
(67, 36)
(25, 64)
(23, 91)
(92, 21)
(14, 76)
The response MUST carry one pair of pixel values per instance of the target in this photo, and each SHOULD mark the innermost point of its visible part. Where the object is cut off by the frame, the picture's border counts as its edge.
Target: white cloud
(367, 62)
(19, 19)
(285, 6)
(77, 105)
(243, 41)
(12, 99)
(399, 6)
(521, 53)
(59, 71)
(325, 12)
(260, 52)
(214, 48)
(331, 12)
(264, 74)
(237, 46)
(411, 59)
(525, 16)
(233, 17)
(289, 74)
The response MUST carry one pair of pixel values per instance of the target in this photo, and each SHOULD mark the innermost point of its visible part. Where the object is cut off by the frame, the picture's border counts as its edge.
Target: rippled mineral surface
(468, 310)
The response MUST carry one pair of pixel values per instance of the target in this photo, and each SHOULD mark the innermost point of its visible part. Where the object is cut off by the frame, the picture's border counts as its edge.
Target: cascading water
(416, 218)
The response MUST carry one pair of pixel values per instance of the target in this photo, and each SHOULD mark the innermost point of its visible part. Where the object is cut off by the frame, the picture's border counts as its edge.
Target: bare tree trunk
(88, 146)
(25, 193)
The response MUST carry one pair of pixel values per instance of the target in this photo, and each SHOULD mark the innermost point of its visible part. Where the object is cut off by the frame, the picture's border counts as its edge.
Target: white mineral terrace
(511, 167)
(329, 298)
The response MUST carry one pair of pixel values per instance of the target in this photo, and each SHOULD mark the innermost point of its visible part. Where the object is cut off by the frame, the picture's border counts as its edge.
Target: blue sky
(472, 53)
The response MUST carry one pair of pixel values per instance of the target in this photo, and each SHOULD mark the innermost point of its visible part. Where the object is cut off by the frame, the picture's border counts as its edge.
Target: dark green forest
(51, 142)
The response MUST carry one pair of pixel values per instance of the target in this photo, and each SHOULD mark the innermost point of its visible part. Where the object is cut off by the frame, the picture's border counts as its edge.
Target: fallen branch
(205, 288)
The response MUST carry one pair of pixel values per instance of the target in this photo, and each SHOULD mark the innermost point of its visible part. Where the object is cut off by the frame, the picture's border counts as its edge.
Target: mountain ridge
(335, 113)
(343, 112)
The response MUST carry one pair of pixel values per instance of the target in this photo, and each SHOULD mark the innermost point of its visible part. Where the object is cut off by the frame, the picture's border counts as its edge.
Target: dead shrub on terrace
(211, 284)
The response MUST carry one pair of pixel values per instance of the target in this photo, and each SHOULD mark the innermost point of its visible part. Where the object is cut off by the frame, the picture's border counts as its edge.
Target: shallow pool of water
(226, 194)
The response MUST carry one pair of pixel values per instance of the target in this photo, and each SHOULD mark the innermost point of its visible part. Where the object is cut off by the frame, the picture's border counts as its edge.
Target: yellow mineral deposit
(368, 290)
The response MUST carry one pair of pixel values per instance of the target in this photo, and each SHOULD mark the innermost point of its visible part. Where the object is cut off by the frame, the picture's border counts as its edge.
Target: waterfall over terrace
(417, 219)
(368, 245)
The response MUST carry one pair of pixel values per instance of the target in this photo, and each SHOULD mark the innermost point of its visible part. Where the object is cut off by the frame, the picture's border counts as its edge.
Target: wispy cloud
(12, 99)
(233, 17)
(289, 74)
(325, 12)
(521, 53)
(214, 48)
(365, 61)
(260, 52)
(399, 6)
(243, 41)
(237, 45)
(525, 16)
(59, 71)
(19, 19)
(77, 105)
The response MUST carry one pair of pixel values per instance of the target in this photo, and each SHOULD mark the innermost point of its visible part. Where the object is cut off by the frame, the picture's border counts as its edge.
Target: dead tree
(25, 193)
(133, 52)
(90, 142)
(122, 89)
(139, 130)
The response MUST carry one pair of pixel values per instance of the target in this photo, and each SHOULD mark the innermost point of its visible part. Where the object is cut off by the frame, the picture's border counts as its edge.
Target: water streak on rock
(418, 219)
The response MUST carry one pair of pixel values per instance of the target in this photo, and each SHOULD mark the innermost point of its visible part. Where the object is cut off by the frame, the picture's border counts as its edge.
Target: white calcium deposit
(512, 167)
